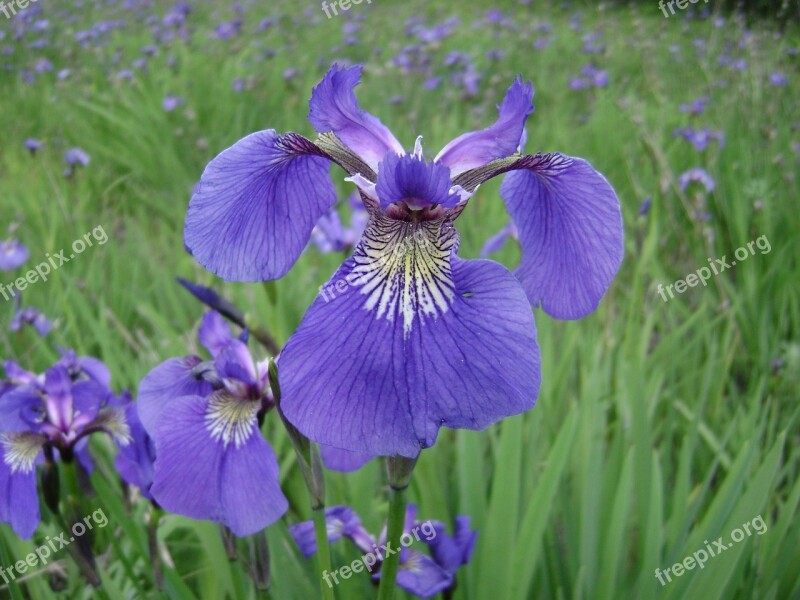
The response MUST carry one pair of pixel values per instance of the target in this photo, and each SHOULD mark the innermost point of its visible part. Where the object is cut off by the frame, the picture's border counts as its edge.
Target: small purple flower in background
(495, 54)
(542, 43)
(696, 175)
(696, 107)
(13, 254)
(43, 65)
(227, 30)
(238, 85)
(172, 102)
(700, 138)
(591, 43)
(75, 157)
(778, 79)
(63, 74)
(421, 575)
(591, 77)
(430, 339)
(330, 236)
(644, 208)
(498, 240)
(289, 74)
(203, 416)
(48, 413)
(30, 316)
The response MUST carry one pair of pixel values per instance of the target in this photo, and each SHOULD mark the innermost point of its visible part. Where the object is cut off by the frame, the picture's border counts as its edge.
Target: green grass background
(659, 425)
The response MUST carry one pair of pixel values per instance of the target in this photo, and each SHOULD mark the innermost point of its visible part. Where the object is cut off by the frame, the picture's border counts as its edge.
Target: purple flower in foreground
(204, 418)
(43, 414)
(13, 254)
(696, 175)
(407, 336)
(30, 316)
(421, 575)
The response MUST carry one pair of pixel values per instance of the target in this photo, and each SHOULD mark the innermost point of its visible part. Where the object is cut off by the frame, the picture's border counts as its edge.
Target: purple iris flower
(172, 102)
(696, 107)
(329, 235)
(421, 575)
(33, 145)
(46, 414)
(778, 79)
(204, 418)
(30, 316)
(696, 175)
(407, 336)
(13, 254)
(591, 76)
(700, 138)
(498, 240)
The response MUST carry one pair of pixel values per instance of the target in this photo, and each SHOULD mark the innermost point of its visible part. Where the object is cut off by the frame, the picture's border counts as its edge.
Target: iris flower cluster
(47, 417)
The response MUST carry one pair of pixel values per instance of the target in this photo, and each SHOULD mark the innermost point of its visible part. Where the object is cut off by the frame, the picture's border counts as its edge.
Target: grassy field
(661, 425)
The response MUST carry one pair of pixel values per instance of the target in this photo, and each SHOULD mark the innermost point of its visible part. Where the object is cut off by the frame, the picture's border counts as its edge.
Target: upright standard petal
(406, 338)
(409, 179)
(252, 213)
(215, 333)
(476, 148)
(334, 108)
(212, 463)
(570, 229)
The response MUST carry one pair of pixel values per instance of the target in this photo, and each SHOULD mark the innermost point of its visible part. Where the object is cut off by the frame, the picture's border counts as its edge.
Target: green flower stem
(397, 515)
(323, 552)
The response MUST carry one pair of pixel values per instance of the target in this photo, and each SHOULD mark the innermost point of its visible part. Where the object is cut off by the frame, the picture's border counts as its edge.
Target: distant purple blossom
(696, 175)
(13, 254)
(778, 79)
(700, 138)
(172, 102)
(33, 145)
(30, 316)
(696, 107)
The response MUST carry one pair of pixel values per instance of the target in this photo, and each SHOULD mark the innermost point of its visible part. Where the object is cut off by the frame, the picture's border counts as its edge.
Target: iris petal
(196, 476)
(408, 178)
(473, 149)
(345, 461)
(252, 213)
(570, 230)
(19, 502)
(378, 367)
(334, 108)
(169, 380)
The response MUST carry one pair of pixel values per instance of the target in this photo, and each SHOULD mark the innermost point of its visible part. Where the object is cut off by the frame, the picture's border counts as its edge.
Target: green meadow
(661, 426)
